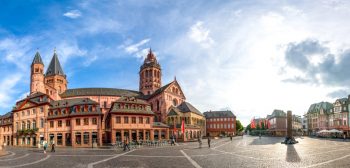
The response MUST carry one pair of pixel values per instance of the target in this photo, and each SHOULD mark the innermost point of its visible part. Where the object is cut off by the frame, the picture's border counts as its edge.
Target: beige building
(193, 119)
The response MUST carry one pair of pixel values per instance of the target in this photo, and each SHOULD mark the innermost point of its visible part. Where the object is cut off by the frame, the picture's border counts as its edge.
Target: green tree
(239, 126)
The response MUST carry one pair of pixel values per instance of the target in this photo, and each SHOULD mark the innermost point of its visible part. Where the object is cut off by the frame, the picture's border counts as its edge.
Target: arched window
(175, 102)
(28, 124)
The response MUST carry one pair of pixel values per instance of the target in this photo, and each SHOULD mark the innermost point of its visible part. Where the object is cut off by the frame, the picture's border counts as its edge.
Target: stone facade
(85, 117)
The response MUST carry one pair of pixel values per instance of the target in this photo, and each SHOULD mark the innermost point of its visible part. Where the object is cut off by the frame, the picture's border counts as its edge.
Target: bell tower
(37, 75)
(150, 74)
(55, 77)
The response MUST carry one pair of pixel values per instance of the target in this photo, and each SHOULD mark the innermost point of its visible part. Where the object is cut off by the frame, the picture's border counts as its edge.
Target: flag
(174, 128)
(268, 124)
(183, 126)
(252, 123)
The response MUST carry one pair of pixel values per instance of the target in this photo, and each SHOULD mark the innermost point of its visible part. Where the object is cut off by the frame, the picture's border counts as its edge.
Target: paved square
(240, 152)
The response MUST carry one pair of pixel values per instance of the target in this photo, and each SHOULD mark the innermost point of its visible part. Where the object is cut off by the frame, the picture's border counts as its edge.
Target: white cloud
(134, 48)
(73, 14)
(200, 34)
(7, 89)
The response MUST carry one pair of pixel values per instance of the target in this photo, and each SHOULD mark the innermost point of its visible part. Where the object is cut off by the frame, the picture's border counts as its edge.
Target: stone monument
(289, 138)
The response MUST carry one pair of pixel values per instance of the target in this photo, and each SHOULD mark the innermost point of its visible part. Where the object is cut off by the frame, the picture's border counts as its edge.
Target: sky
(250, 57)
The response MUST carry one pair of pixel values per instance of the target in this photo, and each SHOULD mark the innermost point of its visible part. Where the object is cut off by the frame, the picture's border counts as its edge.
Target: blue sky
(247, 56)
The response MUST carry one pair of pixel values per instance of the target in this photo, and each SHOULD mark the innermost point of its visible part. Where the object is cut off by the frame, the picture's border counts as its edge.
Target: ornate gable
(175, 88)
(26, 104)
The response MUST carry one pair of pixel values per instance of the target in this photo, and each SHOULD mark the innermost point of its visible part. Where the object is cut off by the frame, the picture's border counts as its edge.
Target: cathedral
(85, 117)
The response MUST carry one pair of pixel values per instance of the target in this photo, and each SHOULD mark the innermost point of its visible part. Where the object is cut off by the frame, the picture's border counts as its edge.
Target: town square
(150, 83)
(246, 151)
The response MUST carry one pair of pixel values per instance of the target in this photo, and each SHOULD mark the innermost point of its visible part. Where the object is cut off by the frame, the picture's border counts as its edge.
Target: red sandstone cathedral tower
(55, 77)
(150, 74)
(37, 75)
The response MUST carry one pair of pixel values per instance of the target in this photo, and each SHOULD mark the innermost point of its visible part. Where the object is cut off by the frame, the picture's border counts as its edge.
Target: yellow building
(194, 122)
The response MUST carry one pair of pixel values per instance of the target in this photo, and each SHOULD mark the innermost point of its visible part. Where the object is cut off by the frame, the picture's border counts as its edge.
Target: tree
(239, 126)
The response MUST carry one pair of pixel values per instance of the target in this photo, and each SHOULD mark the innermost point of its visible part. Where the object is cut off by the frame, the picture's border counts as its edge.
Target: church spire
(55, 66)
(37, 59)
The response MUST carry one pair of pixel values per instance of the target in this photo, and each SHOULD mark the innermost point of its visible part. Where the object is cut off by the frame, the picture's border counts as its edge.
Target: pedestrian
(260, 136)
(53, 146)
(209, 141)
(344, 137)
(200, 142)
(45, 145)
(231, 137)
(172, 141)
(126, 143)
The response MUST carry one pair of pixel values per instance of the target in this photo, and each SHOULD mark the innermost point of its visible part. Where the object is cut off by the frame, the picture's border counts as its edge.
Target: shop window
(78, 138)
(86, 138)
(59, 139)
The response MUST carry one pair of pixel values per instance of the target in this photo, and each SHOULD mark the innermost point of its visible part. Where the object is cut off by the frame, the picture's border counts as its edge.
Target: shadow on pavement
(266, 141)
(292, 155)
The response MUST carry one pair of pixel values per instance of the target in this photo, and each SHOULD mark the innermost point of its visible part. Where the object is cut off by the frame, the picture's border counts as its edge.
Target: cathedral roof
(100, 92)
(37, 59)
(150, 61)
(54, 67)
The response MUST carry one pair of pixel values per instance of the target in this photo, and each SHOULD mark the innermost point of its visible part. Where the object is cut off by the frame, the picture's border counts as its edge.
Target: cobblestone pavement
(240, 152)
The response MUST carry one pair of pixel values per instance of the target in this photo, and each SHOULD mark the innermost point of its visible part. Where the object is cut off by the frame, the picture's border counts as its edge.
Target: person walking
(172, 141)
(45, 145)
(53, 146)
(200, 142)
(344, 137)
(231, 137)
(126, 143)
(209, 141)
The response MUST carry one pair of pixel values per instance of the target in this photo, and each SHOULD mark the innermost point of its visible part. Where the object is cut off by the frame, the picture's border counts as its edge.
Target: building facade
(194, 122)
(277, 123)
(85, 117)
(220, 123)
(327, 116)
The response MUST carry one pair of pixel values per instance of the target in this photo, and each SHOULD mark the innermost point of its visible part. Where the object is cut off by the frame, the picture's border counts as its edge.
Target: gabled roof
(7, 115)
(186, 107)
(54, 67)
(343, 100)
(162, 89)
(100, 92)
(37, 59)
(218, 114)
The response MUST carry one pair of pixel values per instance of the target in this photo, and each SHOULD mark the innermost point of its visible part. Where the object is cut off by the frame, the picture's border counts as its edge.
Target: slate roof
(218, 114)
(54, 67)
(185, 107)
(8, 114)
(37, 59)
(71, 102)
(100, 92)
(278, 113)
(316, 107)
